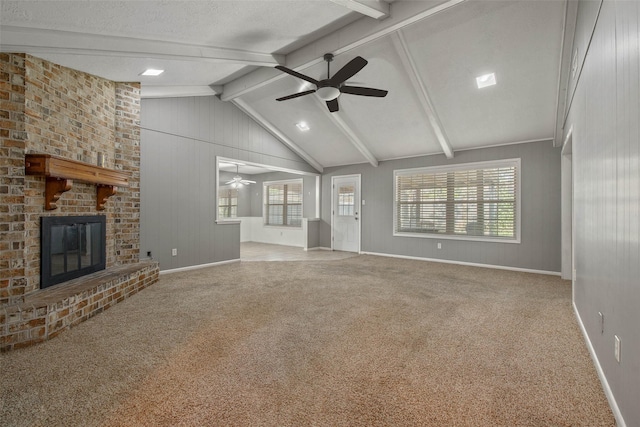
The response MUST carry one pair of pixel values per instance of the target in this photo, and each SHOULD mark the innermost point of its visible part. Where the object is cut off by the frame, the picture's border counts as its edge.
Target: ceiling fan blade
(348, 71)
(364, 91)
(296, 95)
(333, 105)
(247, 181)
(229, 182)
(297, 74)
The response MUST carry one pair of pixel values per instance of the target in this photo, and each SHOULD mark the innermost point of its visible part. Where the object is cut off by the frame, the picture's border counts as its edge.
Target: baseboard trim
(197, 267)
(603, 379)
(471, 264)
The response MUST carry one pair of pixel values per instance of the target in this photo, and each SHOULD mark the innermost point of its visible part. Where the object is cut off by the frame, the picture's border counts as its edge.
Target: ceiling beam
(376, 9)
(420, 89)
(353, 138)
(349, 37)
(269, 127)
(36, 40)
(153, 91)
(565, 71)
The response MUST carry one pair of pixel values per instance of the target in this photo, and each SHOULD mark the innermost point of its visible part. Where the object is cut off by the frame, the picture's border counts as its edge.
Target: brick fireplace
(49, 109)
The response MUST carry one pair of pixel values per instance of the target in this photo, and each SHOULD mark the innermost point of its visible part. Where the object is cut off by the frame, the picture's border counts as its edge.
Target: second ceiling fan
(330, 88)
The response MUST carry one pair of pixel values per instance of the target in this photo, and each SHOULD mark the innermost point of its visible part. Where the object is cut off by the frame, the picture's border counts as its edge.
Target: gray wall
(605, 116)
(313, 234)
(180, 139)
(540, 230)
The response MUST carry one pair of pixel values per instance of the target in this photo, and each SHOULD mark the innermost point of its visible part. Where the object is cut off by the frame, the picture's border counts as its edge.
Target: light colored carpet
(363, 341)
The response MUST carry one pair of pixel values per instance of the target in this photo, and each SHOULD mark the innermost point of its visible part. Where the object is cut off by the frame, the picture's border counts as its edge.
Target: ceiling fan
(237, 181)
(331, 88)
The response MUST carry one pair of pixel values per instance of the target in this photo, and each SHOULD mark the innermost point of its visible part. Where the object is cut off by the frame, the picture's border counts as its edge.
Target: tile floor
(252, 251)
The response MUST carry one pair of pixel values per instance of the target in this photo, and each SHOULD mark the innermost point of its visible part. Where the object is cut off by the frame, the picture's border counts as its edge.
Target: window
(346, 200)
(283, 203)
(479, 201)
(228, 203)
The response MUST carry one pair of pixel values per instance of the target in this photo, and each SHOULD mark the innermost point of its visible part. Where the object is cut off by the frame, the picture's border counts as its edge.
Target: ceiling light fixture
(151, 72)
(328, 93)
(486, 80)
(237, 181)
(303, 126)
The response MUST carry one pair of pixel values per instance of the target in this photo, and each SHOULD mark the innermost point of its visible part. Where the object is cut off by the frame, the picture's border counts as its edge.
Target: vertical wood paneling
(587, 15)
(606, 161)
(628, 201)
(181, 138)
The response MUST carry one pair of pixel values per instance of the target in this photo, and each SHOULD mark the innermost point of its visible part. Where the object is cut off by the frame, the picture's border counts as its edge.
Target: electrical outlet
(174, 252)
(601, 322)
(616, 348)
(439, 245)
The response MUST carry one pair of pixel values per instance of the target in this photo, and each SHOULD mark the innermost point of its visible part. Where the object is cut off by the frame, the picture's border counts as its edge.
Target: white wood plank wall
(605, 116)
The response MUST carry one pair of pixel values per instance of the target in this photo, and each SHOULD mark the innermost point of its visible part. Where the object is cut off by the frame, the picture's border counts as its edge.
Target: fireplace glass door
(71, 247)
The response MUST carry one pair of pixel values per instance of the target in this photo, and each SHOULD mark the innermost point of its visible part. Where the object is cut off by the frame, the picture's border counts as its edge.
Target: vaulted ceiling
(427, 54)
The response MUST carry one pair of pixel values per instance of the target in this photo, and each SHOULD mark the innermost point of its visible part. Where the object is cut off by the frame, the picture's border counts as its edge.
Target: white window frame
(265, 196)
(456, 168)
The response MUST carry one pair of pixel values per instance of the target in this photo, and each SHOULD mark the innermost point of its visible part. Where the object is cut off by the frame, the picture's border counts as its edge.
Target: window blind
(228, 203)
(283, 203)
(463, 200)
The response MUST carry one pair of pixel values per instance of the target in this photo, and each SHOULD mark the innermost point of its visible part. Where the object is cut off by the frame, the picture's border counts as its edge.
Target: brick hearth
(46, 313)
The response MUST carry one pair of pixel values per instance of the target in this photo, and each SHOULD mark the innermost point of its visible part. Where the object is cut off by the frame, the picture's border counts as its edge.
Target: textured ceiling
(260, 26)
(425, 53)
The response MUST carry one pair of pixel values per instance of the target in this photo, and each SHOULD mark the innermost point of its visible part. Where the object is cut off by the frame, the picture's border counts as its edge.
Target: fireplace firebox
(71, 247)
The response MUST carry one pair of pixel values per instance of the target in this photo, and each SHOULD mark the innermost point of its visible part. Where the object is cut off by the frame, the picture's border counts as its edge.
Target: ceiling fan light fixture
(329, 89)
(328, 93)
(237, 181)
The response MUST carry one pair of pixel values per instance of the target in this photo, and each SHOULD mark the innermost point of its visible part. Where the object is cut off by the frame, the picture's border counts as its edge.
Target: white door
(345, 209)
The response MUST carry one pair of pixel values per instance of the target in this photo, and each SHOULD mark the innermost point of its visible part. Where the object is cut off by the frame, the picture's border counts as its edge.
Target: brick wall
(47, 108)
(12, 135)
(127, 157)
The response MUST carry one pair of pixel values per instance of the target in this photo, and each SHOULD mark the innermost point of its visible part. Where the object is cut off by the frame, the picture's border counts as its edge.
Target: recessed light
(303, 126)
(151, 72)
(486, 80)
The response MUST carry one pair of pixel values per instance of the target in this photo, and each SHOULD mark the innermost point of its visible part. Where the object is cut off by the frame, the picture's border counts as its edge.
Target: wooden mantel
(60, 172)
